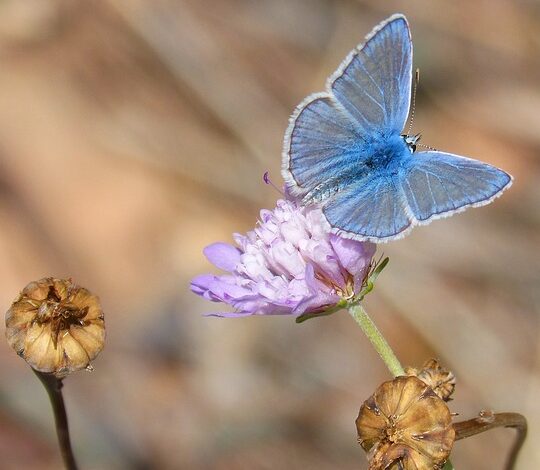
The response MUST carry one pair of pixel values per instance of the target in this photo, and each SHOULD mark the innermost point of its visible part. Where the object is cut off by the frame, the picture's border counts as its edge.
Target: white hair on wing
(290, 182)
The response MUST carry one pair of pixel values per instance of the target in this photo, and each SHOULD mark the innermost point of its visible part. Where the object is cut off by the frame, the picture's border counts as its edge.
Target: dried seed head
(404, 425)
(56, 326)
(442, 381)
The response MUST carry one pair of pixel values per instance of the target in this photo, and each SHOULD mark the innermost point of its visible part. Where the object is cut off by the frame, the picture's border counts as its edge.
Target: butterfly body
(345, 150)
(386, 153)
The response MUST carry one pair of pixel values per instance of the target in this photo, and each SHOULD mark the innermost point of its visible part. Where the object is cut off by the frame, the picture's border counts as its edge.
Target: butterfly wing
(374, 82)
(373, 208)
(439, 184)
(323, 145)
(369, 94)
(430, 185)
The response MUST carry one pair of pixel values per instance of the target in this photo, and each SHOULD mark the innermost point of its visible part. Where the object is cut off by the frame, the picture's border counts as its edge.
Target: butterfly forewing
(325, 144)
(324, 141)
(374, 82)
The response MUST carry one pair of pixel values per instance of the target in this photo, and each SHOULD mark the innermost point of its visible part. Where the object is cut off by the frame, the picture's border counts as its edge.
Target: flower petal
(223, 255)
(353, 255)
(218, 288)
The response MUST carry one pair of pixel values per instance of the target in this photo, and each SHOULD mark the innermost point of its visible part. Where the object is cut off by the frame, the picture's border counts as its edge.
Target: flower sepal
(369, 284)
(342, 304)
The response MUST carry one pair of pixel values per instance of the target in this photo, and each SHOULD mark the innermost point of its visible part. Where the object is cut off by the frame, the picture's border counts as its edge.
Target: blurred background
(134, 133)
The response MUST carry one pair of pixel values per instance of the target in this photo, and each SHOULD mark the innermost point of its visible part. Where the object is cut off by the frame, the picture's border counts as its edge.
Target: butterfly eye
(411, 140)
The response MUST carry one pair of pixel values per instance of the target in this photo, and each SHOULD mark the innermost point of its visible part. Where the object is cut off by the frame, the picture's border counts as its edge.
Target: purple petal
(223, 255)
(324, 260)
(287, 259)
(200, 285)
(219, 288)
(318, 301)
(227, 314)
(321, 295)
(353, 255)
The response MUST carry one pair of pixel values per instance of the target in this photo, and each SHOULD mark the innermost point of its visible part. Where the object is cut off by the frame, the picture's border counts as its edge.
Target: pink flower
(290, 263)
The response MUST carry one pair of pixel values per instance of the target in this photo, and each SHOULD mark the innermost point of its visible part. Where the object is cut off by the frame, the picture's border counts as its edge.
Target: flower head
(290, 263)
(56, 326)
(405, 425)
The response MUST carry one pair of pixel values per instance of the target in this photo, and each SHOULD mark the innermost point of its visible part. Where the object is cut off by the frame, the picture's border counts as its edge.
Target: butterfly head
(411, 140)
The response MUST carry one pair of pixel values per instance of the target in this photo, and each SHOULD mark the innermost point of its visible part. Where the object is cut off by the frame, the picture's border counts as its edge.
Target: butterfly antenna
(413, 106)
(267, 180)
(427, 147)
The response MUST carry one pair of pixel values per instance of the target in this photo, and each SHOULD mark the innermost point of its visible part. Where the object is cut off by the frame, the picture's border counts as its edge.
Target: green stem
(377, 339)
(381, 346)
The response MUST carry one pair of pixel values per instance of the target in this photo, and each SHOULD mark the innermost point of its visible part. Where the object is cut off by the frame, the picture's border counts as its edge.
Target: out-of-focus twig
(489, 420)
(53, 385)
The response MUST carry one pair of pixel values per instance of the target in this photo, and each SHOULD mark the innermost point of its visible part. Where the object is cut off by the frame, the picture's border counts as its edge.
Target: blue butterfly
(344, 149)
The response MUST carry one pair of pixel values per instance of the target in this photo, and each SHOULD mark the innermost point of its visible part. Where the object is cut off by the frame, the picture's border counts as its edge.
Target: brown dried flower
(56, 326)
(442, 381)
(404, 425)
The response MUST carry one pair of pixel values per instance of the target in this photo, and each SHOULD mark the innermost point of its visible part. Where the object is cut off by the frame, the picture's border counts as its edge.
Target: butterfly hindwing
(371, 208)
(438, 184)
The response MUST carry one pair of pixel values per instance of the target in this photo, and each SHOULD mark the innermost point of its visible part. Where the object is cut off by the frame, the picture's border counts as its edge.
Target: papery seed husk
(404, 424)
(441, 380)
(56, 326)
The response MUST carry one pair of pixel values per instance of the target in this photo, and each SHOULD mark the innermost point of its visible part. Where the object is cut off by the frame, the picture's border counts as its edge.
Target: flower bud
(404, 425)
(442, 381)
(56, 326)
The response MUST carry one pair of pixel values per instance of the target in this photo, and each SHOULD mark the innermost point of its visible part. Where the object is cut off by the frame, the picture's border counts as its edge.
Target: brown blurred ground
(133, 133)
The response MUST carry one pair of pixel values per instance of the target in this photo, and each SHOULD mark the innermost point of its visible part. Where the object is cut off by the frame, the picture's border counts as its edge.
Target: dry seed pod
(442, 381)
(404, 425)
(56, 326)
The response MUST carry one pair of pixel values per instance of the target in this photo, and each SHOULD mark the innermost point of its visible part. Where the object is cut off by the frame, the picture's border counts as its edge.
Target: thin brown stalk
(490, 420)
(53, 386)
